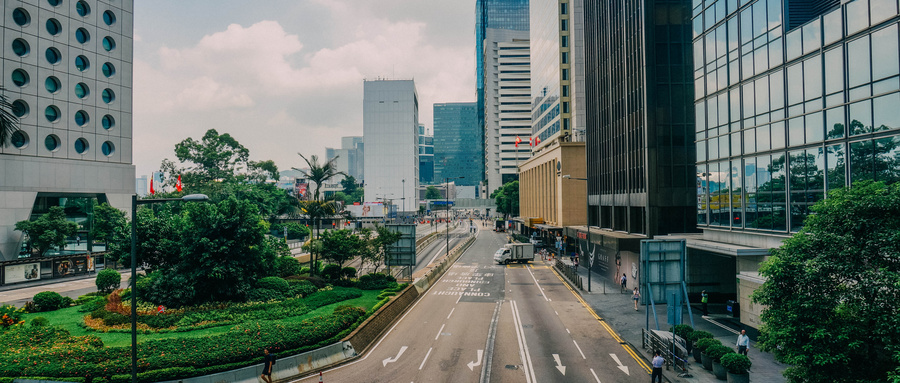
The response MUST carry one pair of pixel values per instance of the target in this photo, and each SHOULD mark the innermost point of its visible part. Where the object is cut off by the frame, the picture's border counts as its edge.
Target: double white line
(523, 345)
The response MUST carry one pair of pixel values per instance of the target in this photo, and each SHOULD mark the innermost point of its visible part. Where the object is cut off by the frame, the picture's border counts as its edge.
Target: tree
(340, 246)
(349, 184)
(216, 157)
(48, 231)
(315, 209)
(106, 221)
(831, 290)
(432, 192)
(507, 198)
(9, 123)
(381, 245)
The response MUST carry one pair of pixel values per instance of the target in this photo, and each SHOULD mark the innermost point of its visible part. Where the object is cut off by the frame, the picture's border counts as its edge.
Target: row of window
(22, 18)
(20, 140)
(21, 48)
(21, 78)
(20, 109)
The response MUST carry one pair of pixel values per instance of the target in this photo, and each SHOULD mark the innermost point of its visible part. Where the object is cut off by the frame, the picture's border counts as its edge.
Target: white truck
(514, 252)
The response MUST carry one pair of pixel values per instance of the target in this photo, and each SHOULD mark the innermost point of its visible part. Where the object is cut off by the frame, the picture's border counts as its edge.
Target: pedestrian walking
(77, 240)
(636, 297)
(657, 362)
(704, 299)
(576, 261)
(743, 343)
(268, 364)
(624, 282)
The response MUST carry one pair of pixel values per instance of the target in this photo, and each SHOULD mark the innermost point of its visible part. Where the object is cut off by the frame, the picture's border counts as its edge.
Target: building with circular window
(60, 98)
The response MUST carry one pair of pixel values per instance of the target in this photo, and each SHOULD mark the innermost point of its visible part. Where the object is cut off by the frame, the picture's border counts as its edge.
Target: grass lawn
(69, 319)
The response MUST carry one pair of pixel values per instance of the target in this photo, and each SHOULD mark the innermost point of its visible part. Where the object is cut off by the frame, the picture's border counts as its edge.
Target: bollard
(320, 376)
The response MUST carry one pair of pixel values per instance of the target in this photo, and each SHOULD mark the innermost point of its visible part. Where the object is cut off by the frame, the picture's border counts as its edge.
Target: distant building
(349, 158)
(141, 185)
(67, 72)
(426, 157)
(391, 136)
(458, 149)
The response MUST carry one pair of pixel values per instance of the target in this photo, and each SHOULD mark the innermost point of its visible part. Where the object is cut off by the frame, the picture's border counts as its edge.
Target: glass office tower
(793, 98)
(457, 152)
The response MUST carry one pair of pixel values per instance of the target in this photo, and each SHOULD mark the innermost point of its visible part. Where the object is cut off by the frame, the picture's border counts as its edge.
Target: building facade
(458, 148)
(391, 137)
(545, 193)
(426, 157)
(349, 158)
(68, 72)
(792, 99)
(507, 114)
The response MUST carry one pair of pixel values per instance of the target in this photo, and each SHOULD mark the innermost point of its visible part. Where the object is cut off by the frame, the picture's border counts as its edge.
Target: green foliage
(699, 334)
(49, 301)
(9, 123)
(736, 363)
(265, 295)
(108, 222)
(348, 272)
(108, 280)
(682, 330)
(9, 316)
(318, 173)
(432, 192)
(507, 198)
(376, 281)
(40, 322)
(215, 157)
(716, 351)
(340, 246)
(704, 343)
(273, 283)
(831, 289)
(302, 288)
(331, 271)
(294, 230)
(48, 231)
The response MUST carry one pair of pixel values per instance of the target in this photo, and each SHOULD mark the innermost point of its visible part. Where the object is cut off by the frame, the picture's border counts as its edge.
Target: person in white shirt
(743, 343)
(657, 363)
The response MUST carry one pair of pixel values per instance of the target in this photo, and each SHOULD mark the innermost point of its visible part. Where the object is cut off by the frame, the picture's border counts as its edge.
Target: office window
(885, 59)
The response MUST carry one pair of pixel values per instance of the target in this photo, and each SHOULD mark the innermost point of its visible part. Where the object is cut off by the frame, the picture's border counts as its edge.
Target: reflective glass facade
(458, 151)
(793, 98)
(546, 70)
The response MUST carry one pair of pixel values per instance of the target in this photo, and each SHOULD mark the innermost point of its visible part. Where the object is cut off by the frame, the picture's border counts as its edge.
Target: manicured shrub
(699, 334)
(316, 281)
(682, 330)
(9, 316)
(40, 322)
(717, 351)
(703, 344)
(265, 295)
(108, 280)
(331, 271)
(348, 272)
(273, 283)
(287, 266)
(302, 288)
(736, 363)
(90, 304)
(376, 281)
(160, 320)
(49, 301)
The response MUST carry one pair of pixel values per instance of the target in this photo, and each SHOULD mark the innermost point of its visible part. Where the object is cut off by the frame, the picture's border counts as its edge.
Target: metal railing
(570, 272)
(670, 346)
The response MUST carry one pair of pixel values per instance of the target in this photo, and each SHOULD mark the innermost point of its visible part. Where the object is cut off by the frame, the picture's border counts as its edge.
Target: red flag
(518, 140)
(530, 141)
(537, 140)
(178, 185)
(151, 185)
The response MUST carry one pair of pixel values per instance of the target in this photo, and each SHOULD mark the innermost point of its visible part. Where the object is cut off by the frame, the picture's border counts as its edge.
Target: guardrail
(434, 272)
(570, 272)
(670, 346)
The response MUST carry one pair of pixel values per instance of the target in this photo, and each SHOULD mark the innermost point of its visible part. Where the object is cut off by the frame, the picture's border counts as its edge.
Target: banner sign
(22, 273)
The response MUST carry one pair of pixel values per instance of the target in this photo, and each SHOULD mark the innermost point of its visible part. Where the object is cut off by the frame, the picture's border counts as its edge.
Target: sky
(286, 76)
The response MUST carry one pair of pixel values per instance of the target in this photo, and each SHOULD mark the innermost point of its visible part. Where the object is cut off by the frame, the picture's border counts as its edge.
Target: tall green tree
(340, 246)
(48, 231)
(381, 245)
(507, 198)
(107, 220)
(216, 157)
(432, 192)
(9, 123)
(317, 208)
(832, 289)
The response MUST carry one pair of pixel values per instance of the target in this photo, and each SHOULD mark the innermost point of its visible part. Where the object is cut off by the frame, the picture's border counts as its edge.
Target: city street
(486, 322)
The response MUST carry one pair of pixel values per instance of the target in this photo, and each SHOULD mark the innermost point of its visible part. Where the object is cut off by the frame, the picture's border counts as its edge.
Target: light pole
(134, 204)
(447, 200)
(403, 199)
(588, 224)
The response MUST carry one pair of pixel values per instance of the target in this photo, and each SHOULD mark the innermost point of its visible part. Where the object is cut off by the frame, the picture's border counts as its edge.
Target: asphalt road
(482, 322)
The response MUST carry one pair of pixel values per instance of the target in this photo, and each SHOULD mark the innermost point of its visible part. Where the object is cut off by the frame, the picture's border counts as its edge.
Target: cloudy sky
(286, 76)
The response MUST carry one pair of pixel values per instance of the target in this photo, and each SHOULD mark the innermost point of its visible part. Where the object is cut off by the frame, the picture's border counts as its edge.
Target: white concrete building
(67, 69)
(391, 138)
(507, 105)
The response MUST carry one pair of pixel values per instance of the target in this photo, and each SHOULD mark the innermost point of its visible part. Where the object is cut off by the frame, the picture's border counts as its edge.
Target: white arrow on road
(559, 365)
(392, 360)
(621, 367)
(476, 363)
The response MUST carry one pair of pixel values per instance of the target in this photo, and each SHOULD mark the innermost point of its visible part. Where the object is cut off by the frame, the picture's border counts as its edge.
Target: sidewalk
(617, 309)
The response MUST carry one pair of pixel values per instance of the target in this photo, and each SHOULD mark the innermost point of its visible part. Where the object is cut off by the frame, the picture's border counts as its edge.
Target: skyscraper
(426, 157)
(457, 149)
(391, 136)
(69, 67)
(349, 158)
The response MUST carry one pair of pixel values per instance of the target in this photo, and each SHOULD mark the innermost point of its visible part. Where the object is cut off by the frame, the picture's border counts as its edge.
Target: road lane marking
(621, 367)
(437, 254)
(524, 353)
(426, 358)
(579, 349)
(489, 344)
(439, 331)
(595, 375)
(392, 360)
(451, 312)
(643, 364)
(539, 286)
(567, 330)
(457, 299)
(476, 362)
(720, 325)
(559, 365)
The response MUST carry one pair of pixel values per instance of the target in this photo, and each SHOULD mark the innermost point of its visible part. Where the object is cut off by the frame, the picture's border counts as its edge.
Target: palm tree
(317, 208)
(9, 123)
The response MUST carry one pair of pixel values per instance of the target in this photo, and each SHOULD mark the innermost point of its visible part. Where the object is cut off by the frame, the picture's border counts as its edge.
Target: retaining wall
(376, 324)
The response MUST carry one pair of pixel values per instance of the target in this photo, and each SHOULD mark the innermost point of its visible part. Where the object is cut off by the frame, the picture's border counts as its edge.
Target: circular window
(81, 145)
(81, 118)
(20, 77)
(53, 55)
(52, 84)
(82, 90)
(51, 113)
(54, 3)
(109, 44)
(20, 47)
(82, 35)
(109, 18)
(108, 122)
(19, 139)
(108, 69)
(20, 108)
(52, 143)
(54, 27)
(21, 17)
(82, 63)
(83, 8)
(108, 95)
(108, 148)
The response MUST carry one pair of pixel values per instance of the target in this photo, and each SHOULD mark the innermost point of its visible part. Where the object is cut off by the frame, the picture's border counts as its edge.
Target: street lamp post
(134, 204)
(447, 200)
(588, 224)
